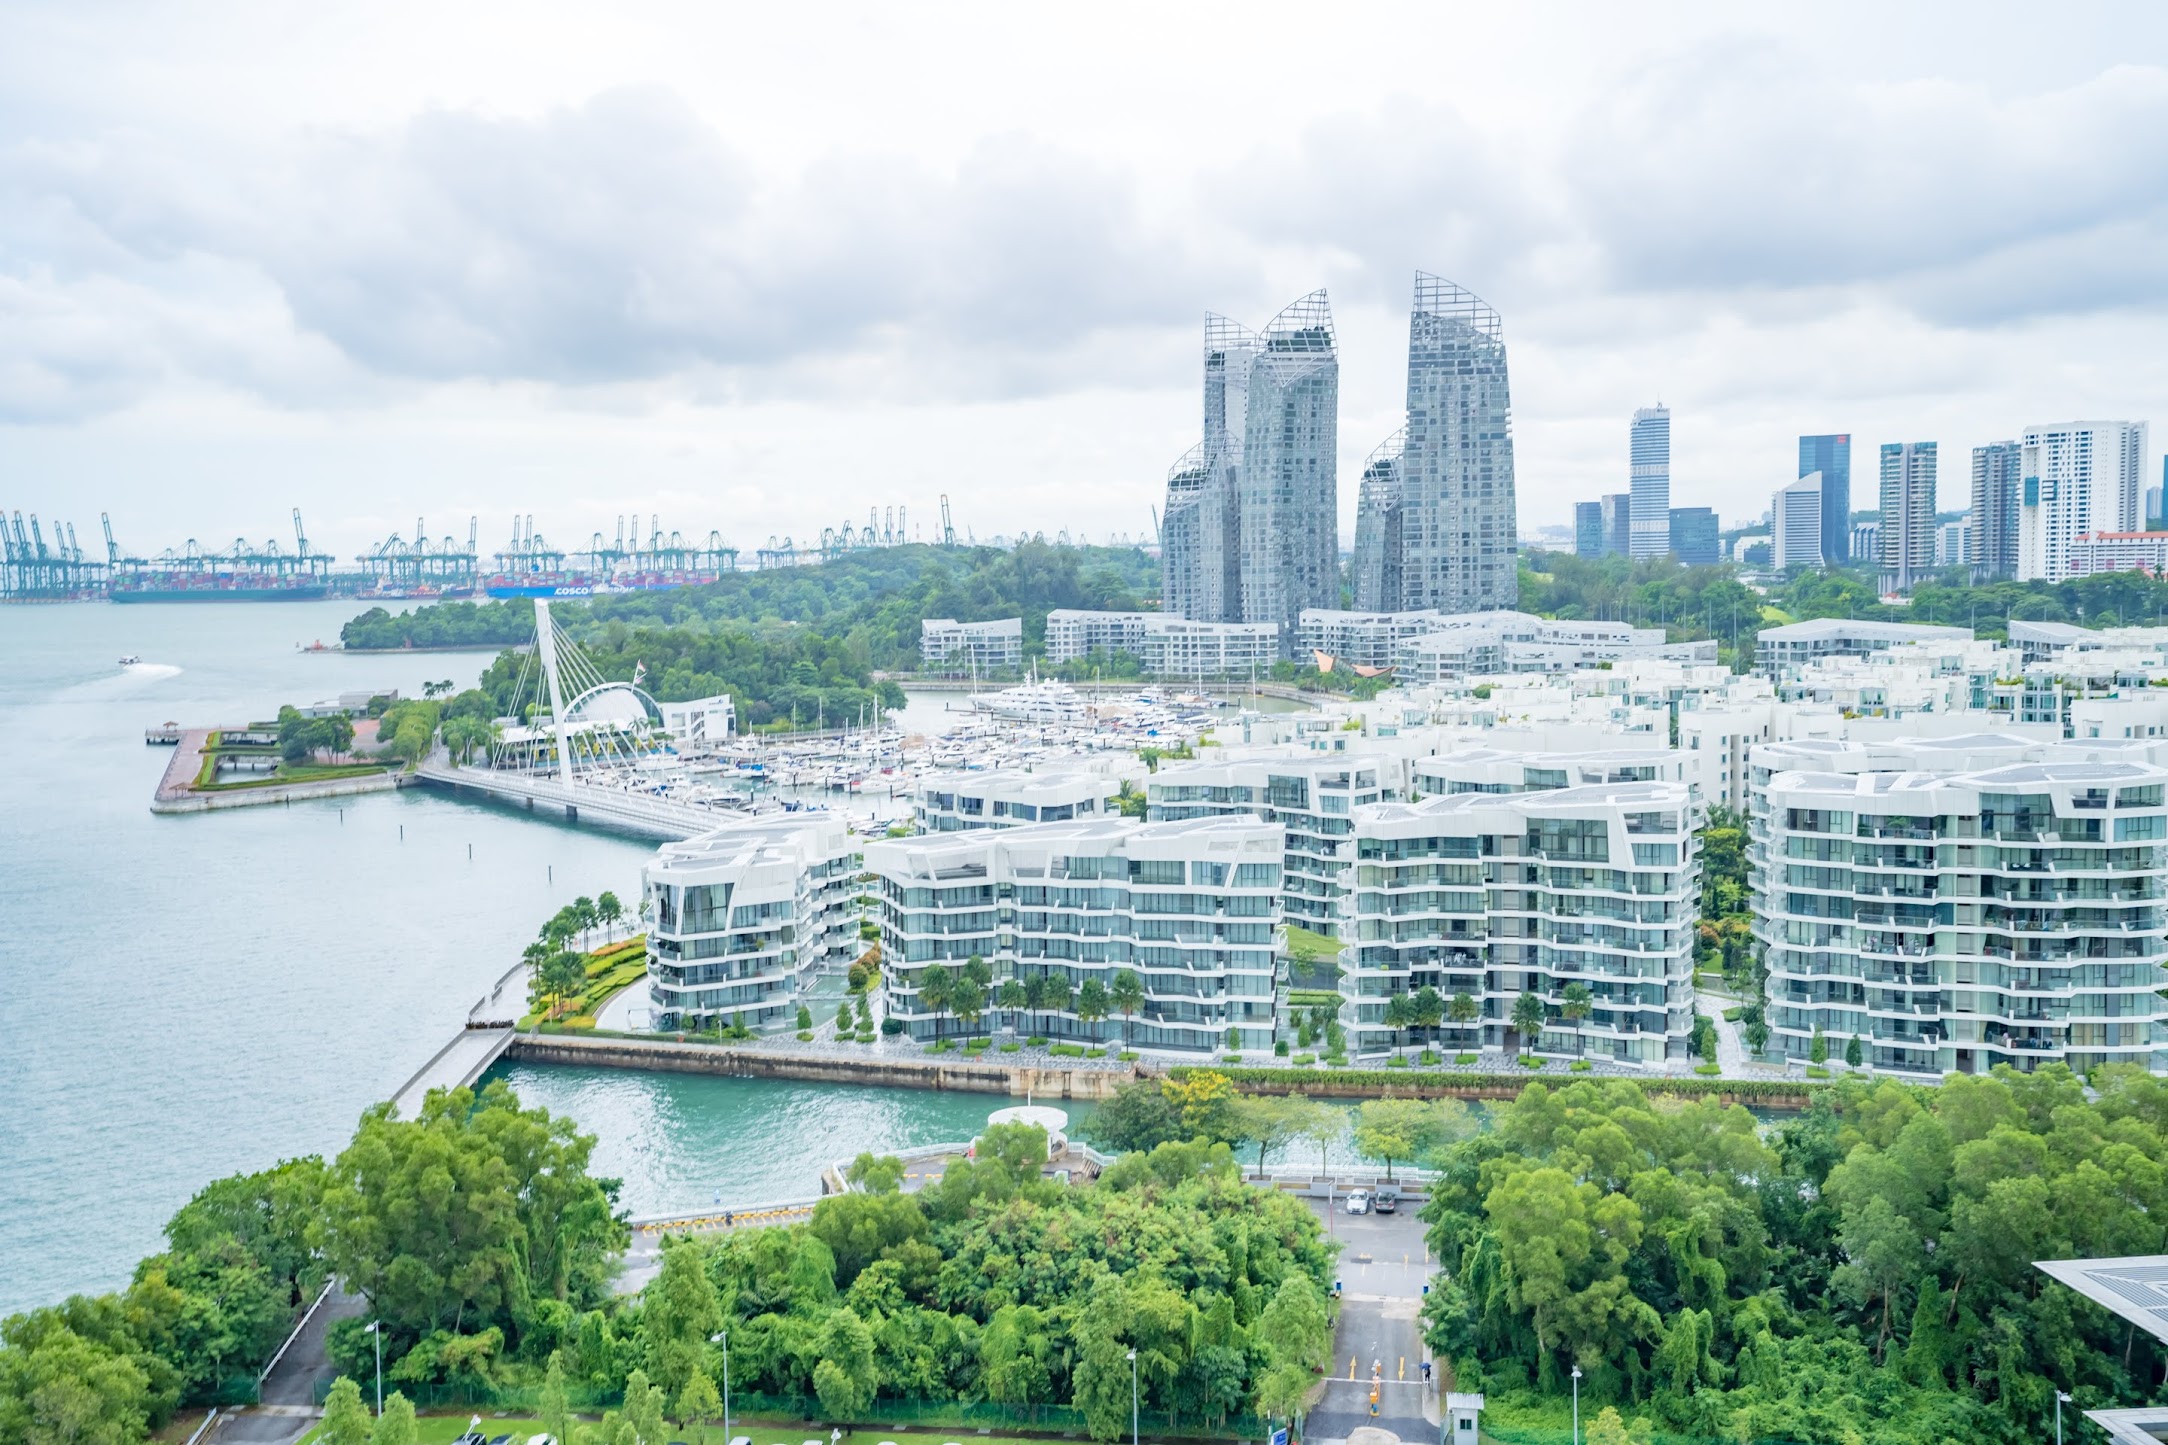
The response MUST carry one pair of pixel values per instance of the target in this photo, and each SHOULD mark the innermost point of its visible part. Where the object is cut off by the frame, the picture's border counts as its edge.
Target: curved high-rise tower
(1379, 542)
(1458, 520)
(1290, 497)
(1250, 530)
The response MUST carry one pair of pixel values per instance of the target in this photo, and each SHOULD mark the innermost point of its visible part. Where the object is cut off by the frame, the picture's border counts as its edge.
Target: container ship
(221, 589)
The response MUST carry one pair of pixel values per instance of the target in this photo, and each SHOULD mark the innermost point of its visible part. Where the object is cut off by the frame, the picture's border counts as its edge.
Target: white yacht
(1036, 702)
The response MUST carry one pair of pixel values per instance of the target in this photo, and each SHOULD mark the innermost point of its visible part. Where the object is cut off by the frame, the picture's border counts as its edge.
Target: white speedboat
(131, 660)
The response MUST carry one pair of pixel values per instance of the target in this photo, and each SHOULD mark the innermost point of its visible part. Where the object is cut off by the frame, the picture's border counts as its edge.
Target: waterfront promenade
(639, 813)
(177, 791)
(455, 1066)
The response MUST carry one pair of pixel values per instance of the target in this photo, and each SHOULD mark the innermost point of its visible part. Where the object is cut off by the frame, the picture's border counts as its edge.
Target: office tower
(1290, 524)
(1379, 531)
(1795, 524)
(2153, 512)
(1587, 530)
(1908, 514)
(1831, 455)
(1693, 535)
(2078, 477)
(1458, 551)
(1649, 456)
(1993, 523)
(1618, 522)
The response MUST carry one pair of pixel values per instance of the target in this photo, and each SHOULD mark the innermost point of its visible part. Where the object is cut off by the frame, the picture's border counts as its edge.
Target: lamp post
(1576, 1405)
(722, 1337)
(376, 1328)
(1132, 1397)
(2060, 1397)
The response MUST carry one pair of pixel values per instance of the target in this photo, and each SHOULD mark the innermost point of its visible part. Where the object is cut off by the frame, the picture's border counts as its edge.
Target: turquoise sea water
(186, 997)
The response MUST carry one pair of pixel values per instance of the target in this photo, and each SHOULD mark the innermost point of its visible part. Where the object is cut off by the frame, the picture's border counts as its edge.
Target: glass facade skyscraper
(1588, 529)
(1251, 531)
(1694, 535)
(1992, 545)
(1442, 534)
(1831, 455)
(1618, 524)
(1378, 534)
(1649, 457)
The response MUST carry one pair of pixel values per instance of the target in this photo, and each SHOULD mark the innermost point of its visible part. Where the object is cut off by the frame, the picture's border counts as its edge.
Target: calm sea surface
(191, 996)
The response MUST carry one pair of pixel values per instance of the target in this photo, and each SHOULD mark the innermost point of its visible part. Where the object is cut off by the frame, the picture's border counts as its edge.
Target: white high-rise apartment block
(1795, 524)
(1192, 908)
(2077, 477)
(959, 801)
(740, 919)
(1494, 896)
(946, 645)
(1649, 459)
(1950, 544)
(1310, 798)
(1908, 514)
(1960, 903)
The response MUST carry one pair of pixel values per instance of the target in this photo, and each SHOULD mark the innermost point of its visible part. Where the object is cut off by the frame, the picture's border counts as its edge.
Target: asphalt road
(1382, 1271)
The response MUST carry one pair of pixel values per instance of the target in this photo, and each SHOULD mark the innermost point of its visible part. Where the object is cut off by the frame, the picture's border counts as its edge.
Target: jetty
(455, 1066)
(641, 813)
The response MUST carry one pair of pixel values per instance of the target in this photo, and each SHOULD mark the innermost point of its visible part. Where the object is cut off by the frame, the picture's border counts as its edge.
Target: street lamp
(722, 1337)
(1576, 1405)
(2060, 1397)
(1132, 1398)
(376, 1328)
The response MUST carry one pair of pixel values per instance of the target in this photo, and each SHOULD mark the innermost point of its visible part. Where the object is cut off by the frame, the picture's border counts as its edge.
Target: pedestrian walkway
(456, 1065)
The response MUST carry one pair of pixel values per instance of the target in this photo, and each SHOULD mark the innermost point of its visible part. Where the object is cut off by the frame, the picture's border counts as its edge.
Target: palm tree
(1576, 1007)
(1128, 801)
(1091, 1002)
(1396, 1015)
(936, 990)
(1528, 1019)
(609, 909)
(1126, 995)
(1463, 1010)
(1012, 998)
(1426, 1009)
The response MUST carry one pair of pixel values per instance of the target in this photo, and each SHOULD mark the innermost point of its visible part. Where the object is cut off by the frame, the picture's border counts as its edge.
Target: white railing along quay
(634, 812)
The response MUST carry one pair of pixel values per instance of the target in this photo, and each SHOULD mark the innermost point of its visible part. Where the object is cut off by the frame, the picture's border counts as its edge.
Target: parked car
(1386, 1200)
(1358, 1202)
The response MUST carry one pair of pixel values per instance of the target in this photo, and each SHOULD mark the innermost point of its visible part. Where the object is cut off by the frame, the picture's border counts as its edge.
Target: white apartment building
(957, 802)
(1795, 513)
(1798, 643)
(1164, 645)
(741, 918)
(1494, 896)
(2077, 477)
(1480, 769)
(959, 648)
(1365, 639)
(1309, 797)
(1480, 643)
(2092, 552)
(1191, 907)
(1958, 917)
(1073, 634)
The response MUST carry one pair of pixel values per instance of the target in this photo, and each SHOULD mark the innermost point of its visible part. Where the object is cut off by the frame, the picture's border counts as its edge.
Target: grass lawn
(443, 1429)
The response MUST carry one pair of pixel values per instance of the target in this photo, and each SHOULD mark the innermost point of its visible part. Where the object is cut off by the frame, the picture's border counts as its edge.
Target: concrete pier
(981, 1076)
(455, 1066)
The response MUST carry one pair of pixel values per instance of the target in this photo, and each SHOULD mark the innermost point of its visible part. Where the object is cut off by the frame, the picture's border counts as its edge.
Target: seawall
(980, 1076)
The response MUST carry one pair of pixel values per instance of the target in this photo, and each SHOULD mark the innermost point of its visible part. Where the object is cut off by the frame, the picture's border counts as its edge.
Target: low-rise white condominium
(1165, 646)
(1473, 644)
(1796, 644)
(1191, 908)
(741, 918)
(1310, 797)
(1493, 896)
(1362, 639)
(948, 646)
(1481, 769)
(1956, 920)
(956, 802)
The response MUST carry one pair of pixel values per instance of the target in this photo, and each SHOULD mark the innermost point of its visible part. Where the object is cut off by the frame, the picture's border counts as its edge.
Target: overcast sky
(759, 270)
